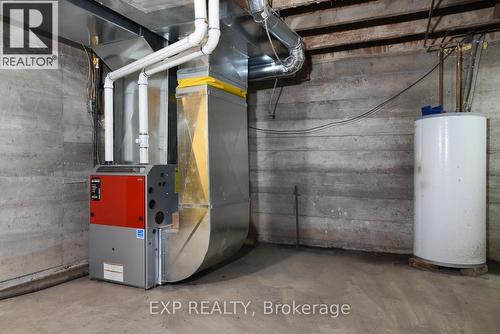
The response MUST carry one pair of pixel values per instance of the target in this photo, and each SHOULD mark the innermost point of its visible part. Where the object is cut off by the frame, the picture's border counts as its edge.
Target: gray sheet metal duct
(214, 193)
(214, 199)
(115, 39)
(262, 13)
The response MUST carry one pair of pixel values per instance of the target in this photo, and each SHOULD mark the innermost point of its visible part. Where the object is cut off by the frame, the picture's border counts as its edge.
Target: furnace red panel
(117, 200)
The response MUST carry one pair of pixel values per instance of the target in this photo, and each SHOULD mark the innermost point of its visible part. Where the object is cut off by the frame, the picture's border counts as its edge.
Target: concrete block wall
(356, 181)
(46, 150)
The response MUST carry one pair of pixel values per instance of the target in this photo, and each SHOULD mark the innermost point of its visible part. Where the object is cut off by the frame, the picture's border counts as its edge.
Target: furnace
(129, 206)
(172, 195)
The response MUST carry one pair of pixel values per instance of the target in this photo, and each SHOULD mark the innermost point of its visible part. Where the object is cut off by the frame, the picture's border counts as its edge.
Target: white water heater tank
(450, 189)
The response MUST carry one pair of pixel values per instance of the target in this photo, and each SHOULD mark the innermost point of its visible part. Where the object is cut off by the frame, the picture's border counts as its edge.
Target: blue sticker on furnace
(139, 233)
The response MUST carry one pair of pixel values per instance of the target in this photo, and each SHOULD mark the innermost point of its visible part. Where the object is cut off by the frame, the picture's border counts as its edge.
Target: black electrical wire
(273, 114)
(94, 91)
(350, 120)
(272, 111)
(91, 101)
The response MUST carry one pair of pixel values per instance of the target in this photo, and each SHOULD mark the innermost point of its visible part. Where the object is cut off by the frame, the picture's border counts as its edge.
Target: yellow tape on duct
(197, 81)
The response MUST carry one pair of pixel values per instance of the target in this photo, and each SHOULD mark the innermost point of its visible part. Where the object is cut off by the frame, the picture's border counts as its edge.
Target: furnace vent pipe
(128, 147)
(207, 49)
(193, 40)
(262, 13)
(143, 139)
(163, 120)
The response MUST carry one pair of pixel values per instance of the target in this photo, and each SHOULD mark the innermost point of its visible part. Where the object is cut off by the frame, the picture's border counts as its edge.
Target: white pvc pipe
(163, 121)
(210, 45)
(128, 147)
(213, 27)
(143, 139)
(143, 120)
(108, 120)
(144, 110)
(208, 48)
(173, 62)
(194, 39)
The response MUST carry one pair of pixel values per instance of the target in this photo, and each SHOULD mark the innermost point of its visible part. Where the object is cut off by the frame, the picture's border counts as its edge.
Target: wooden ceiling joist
(285, 4)
(377, 13)
(354, 24)
(398, 30)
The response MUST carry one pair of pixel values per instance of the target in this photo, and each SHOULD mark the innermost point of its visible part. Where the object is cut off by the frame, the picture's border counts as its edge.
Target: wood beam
(399, 48)
(497, 11)
(284, 4)
(378, 12)
(316, 6)
(401, 31)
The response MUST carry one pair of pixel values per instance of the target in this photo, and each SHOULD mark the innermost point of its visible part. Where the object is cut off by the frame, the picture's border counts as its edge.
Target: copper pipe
(458, 93)
(441, 76)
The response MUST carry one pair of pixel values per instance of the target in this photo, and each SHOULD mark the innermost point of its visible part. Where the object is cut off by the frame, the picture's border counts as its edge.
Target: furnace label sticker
(113, 272)
(139, 233)
(95, 189)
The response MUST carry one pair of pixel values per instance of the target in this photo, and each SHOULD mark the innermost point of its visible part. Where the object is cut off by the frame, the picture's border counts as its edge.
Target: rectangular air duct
(212, 131)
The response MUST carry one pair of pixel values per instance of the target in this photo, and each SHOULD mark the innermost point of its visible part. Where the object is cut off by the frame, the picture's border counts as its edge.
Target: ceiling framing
(331, 26)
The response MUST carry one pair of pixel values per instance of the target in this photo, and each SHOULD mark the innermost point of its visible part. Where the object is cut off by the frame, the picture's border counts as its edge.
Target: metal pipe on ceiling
(263, 14)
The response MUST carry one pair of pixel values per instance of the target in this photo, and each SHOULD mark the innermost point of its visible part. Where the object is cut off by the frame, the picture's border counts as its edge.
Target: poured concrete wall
(356, 181)
(45, 150)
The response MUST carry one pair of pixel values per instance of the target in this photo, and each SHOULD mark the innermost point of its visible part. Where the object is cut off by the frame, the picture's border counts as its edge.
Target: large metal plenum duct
(115, 39)
(118, 41)
(265, 15)
(214, 199)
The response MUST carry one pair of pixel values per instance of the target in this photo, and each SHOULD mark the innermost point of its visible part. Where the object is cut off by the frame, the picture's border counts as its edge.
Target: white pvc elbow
(213, 27)
(200, 23)
(199, 33)
(213, 40)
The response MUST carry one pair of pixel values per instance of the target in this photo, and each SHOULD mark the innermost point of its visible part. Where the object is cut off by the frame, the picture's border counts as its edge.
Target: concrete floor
(384, 294)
